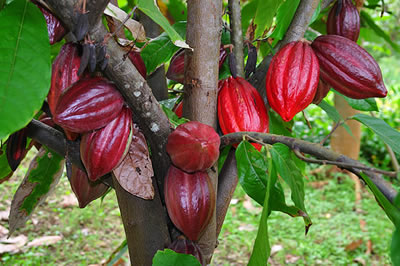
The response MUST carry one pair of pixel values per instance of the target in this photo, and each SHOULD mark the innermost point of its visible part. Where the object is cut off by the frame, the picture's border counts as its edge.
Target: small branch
(325, 4)
(236, 34)
(343, 165)
(332, 131)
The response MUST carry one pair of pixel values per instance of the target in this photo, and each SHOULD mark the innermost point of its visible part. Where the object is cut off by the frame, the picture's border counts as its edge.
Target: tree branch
(319, 152)
(236, 34)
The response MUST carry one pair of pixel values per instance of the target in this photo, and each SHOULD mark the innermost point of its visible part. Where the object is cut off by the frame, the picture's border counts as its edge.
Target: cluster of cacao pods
(189, 192)
(301, 74)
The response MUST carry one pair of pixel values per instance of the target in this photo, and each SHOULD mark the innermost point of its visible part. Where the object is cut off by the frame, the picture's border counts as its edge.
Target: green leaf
(389, 135)
(248, 13)
(368, 104)
(264, 15)
(333, 114)
(252, 171)
(161, 49)
(151, 9)
(395, 247)
(278, 126)
(316, 13)
(173, 118)
(25, 65)
(262, 249)
(169, 257)
(222, 157)
(118, 253)
(177, 9)
(43, 175)
(287, 169)
(5, 170)
(371, 23)
(284, 17)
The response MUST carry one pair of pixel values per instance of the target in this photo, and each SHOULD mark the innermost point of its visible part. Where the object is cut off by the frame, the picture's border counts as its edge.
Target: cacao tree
(246, 69)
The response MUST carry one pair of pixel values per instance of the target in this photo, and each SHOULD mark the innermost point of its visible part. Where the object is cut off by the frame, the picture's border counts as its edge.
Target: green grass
(91, 234)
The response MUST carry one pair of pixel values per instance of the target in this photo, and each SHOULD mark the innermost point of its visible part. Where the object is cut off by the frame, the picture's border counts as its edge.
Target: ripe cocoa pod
(84, 190)
(55, 29)
(241, 108)
(138, 62)
(16, 148)
(193, 146)
(103, 149)
(87, 105)
(348, 68)
(292, 79)
(186, 246)
(190, 201)
(179, 109)
(344, 20)
(322, 90)
(64, 73)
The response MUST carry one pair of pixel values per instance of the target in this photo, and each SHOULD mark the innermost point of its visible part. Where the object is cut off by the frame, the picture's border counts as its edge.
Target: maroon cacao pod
(87, 105)
(16, 148)
(344, 20)
(322, 90)
(64, 73)
(190, 201)
(55, 29)
(179, 109)
(103, 149)
(241, 108)
(292, 79)
(85, 190)
(348, 68)
(138, 62)
(222, 55)
(186, 246)
(193, 146)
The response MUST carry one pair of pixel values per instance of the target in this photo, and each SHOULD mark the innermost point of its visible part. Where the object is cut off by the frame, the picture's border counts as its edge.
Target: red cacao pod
(138, 62)
(85, 190)
(190, 200)
(193, 146)
(179, 109)
(241, 108)
(186, 246)
(344, 20)
(87, 105)
(322, 90)
(292, 79)
(55, 29)
(64, 73)
(16, 148)
(104, 149)
(348, 68)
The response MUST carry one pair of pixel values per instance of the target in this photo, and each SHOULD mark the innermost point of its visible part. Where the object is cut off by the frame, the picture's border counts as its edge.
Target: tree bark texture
(201, 83)
(237, 34)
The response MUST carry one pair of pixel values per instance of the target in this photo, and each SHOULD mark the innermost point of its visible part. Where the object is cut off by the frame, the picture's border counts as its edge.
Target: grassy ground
(91, 234)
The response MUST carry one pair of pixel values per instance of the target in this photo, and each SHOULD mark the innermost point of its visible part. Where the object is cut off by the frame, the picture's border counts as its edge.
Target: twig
(108, 36)
(330, 133)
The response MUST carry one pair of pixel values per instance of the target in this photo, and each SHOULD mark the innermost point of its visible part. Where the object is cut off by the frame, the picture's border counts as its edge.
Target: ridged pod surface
(348, 68)
(292, 79)
(84, 190)
(87, 105)
(193, 146)
(103, 150)
(64, 73)
(344, 20)
(322, 90)
(190, 201)
(186, 246)
(138, 62)
(55, 29)
(241, 108)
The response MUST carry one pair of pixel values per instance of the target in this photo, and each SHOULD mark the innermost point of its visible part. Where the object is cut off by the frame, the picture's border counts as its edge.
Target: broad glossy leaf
(333, 114)
(284, 17)
(264, 15)
(161, 49)
(395, 247)
(177, 9)
(365, 17)
(43, 175)
(151, 9)
(248, 13)
(262, 249)
(25, 65)
(169, 257)
(173, 118)
(389, 135)
(368, 104)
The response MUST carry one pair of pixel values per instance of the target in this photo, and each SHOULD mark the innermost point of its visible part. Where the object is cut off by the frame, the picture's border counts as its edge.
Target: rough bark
(201, 79)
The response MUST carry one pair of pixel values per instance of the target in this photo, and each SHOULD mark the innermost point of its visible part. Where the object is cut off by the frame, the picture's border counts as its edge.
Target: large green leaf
(389, 135)
(177, 9)
(169, 257)
(43, 175)
(262, 248)
(394, 253)
(371, 23)
(283, 18)
(25, 64)
(368, 104)
(151, 9)
(264, 15)
(161, 49)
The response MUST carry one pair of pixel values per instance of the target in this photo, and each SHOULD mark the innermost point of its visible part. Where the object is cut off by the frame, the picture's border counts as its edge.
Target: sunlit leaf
(169, 257)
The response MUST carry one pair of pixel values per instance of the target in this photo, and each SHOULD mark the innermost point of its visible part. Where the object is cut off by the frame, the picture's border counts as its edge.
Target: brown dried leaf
(44, 241)
(13, 244)
(135, 171)
(354, 245)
